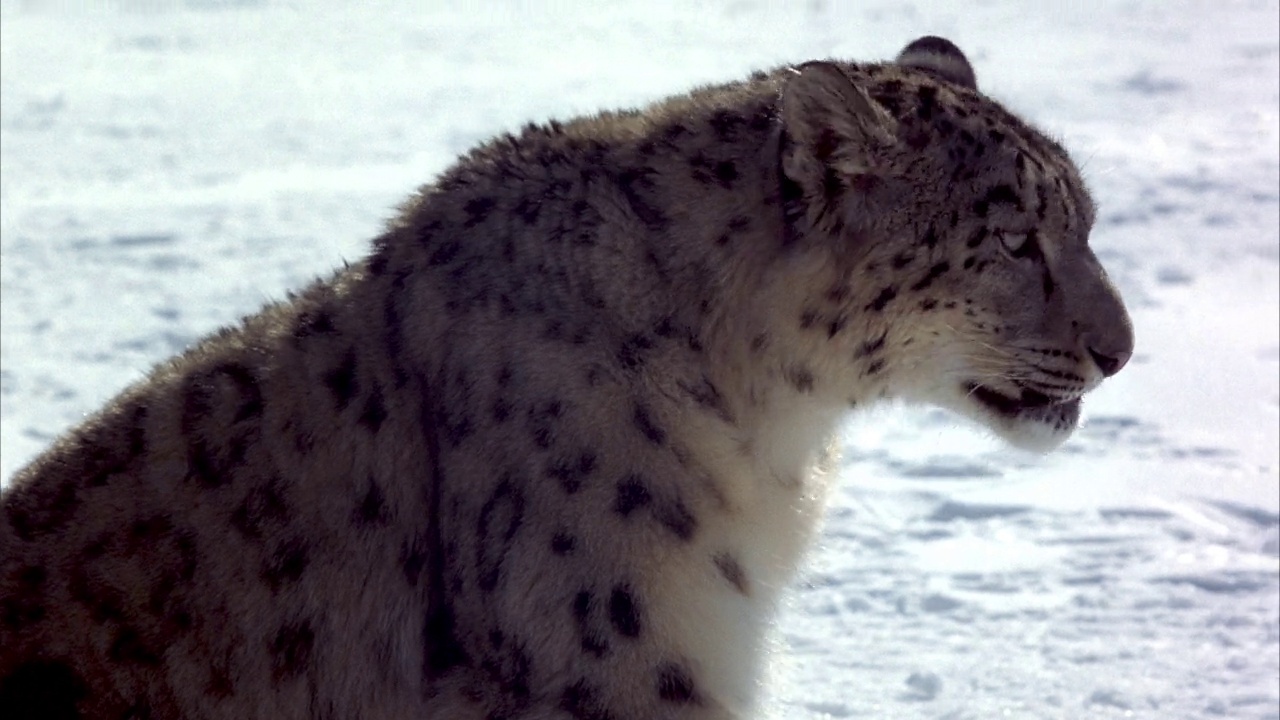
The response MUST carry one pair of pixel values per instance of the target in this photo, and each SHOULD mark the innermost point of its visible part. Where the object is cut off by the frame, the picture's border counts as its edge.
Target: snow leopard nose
(1110, 343)
(1110, 362)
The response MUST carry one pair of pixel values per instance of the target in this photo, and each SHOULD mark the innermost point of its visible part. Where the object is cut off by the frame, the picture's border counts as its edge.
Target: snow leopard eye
(1018, 244)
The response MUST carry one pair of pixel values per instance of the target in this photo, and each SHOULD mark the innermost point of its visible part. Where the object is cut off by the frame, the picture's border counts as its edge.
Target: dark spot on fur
(457, 428)
(554, 330)
(901, 260)
(675, 685)
(246, 387)
(624, 612)
(726, 172)
(726, 123)
(500, 520)
(832, 185)
(632, 493)
(477, 209)
(630, 352)
(930, 238)
(510, 667)
(220, 685)
(128, 647)
(882, 299)
(791, 196)
(677, 518)
(563, 543)
(707, 396)
(44, 690)
(372, 509)
(445, 253)
(89, 587)
(393, 331)
(137, 432)
(808, 319)
(501, 410)
(871, 347)
(203, 460)
(592, 640)
(977, 237)
(291, 650)
(374, 411)
(542, 419)
(633, 182)
(674, 132)
(571, 471)
(504, 375)
(261, 505)
(31, 577)
(413, 558)
(581, 605)
(150, 528)
(581, 700)
(935, 272)
(875, 367)
(801, 379)
(287, 563)
(527, 210)
(826, 144)
(341, 380)
(25, 607)
(928, 102)
(108, 449)
(314, 321)
(37, 509)
(890, 99)
(835, 326)
(917, 138)
(647, 427)
(731, 571)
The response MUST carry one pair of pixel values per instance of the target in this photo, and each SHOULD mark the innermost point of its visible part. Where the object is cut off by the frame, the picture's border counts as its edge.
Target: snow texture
(168, 167)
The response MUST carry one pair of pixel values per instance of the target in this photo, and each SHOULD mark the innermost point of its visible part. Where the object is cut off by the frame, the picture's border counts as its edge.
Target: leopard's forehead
(977, 134)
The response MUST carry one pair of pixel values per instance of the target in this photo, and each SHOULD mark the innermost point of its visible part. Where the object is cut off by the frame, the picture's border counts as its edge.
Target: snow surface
(167, 167)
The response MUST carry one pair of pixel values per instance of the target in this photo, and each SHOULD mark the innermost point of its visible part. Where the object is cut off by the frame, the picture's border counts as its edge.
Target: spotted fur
(556, 446)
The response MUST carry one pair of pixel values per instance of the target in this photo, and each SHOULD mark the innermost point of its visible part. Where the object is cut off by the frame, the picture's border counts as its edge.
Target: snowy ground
(169, 166)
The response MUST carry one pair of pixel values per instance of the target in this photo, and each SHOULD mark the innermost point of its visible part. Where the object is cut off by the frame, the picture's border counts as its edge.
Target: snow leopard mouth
(1028, 402)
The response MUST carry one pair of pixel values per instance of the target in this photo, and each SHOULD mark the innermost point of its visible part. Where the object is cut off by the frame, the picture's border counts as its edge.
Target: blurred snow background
(166, 167)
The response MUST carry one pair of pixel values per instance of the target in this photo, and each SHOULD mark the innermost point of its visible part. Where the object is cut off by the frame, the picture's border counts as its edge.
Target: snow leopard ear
(940, 57)
(831, 124)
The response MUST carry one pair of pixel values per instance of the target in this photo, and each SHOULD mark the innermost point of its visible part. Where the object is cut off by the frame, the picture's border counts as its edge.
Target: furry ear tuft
(940, 57)
(829, 118)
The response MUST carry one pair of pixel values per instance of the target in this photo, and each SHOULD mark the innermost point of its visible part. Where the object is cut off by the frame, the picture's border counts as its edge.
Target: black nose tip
(1110, 364)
